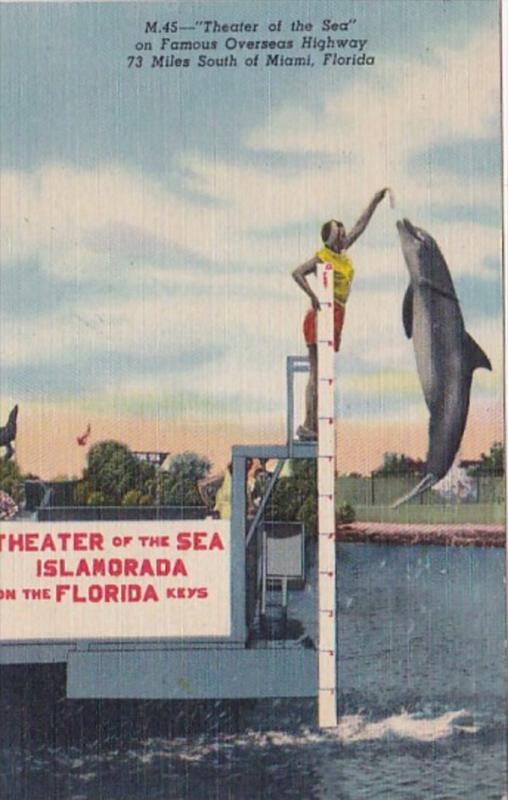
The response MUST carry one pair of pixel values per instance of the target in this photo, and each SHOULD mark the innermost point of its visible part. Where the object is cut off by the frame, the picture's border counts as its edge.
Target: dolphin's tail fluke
(426, 482)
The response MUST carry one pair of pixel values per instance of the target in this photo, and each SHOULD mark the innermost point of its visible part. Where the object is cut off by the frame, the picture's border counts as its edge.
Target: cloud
(205, 256)
(375, 126)
(78, 222)
(403, 108)
(401, 382)
(213, 350)
(98, 223)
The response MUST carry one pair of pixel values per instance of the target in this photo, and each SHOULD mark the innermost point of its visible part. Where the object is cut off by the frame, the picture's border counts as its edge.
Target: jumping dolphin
(446, 355)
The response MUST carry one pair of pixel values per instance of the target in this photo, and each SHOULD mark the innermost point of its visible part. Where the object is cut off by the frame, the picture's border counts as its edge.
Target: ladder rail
(326, 613)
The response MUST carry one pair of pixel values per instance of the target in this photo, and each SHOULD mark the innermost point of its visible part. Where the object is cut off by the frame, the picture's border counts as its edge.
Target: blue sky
(151, 218)
(68, 95)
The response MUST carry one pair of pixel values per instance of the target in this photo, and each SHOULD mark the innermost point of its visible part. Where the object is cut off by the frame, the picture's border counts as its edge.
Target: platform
(266, 645)
(193, 675)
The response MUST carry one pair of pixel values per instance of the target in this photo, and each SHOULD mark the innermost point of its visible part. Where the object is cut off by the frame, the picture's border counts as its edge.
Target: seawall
(476, 535)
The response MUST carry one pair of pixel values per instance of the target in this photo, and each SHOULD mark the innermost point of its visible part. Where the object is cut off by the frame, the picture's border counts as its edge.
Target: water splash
(356, 728)
(352, 729)
(457, 486)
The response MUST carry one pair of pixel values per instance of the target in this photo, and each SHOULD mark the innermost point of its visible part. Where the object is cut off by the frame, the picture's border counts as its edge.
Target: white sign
(109, 580)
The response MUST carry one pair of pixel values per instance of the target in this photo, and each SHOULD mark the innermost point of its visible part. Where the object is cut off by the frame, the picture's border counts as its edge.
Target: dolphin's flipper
(475, 355)
(407, 312)
(421, 487)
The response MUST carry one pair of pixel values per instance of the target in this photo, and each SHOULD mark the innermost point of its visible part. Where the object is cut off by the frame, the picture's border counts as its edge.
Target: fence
(361, 491)
(118, 513)
(383, 490)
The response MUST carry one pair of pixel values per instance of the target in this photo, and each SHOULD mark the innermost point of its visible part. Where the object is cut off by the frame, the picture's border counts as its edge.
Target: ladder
(327, 614)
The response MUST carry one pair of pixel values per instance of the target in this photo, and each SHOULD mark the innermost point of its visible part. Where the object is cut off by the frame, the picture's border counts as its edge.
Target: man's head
(333, 234)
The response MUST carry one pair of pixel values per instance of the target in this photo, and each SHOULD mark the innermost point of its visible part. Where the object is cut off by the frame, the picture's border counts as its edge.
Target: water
(422, 704)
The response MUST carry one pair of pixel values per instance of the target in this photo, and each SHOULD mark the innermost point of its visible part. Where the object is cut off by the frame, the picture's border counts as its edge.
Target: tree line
(489, 463)
(114, 476)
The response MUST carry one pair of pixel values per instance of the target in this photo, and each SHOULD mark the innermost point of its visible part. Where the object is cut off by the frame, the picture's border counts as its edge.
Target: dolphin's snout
(407, 230)
(410, 228)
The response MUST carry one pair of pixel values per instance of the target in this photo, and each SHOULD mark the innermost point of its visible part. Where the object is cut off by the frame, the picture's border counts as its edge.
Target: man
(336, 241)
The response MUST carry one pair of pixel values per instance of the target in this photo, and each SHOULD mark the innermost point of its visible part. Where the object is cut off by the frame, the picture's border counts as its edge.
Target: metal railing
(294, 364)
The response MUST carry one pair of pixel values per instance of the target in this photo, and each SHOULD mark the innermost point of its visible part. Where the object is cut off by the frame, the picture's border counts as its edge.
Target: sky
(151, 219)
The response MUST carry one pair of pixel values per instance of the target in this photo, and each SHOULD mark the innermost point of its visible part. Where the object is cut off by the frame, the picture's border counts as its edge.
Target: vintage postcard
(252, 470)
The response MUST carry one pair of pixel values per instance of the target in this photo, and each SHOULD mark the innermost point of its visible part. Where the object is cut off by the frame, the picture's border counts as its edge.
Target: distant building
(155, 457)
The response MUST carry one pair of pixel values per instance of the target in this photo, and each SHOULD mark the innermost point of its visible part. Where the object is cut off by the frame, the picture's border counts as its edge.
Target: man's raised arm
(364, 220)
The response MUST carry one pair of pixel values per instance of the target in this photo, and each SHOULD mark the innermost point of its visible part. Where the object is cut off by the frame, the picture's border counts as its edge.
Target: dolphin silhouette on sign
(446, 355)
(8, 433)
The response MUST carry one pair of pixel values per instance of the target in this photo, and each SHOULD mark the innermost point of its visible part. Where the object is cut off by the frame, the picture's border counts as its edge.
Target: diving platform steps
(294, 449)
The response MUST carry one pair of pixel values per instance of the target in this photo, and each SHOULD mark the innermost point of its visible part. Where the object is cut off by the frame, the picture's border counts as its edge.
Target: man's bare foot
(306, 434)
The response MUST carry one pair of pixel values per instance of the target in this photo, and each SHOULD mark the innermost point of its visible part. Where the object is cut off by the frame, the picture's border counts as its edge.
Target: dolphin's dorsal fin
(475, 355)
(407, 312)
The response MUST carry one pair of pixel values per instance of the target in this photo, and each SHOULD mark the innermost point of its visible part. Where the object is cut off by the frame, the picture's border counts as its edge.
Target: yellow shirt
(343, 272)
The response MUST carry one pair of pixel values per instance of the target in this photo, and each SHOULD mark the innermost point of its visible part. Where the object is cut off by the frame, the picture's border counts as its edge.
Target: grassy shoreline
(473, 513)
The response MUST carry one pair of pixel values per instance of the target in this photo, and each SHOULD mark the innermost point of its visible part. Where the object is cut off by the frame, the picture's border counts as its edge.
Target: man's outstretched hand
(382, 194)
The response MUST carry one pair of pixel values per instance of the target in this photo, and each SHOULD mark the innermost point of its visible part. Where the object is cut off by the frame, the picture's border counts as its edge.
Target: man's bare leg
(309, 428)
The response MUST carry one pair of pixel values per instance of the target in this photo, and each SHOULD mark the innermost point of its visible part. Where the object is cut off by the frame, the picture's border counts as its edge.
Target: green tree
(295, 498)
(178, 486)
(81, 493)
(97, 499)
(147, 481)
(188, 466)
(132, 498)
(345, 514)
(491, 463)
(399, 464)
(11, 479)
(112, 470)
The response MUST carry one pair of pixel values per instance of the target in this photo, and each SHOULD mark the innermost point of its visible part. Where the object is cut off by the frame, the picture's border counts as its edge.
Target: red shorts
(309, 325)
